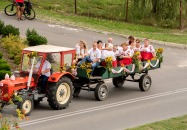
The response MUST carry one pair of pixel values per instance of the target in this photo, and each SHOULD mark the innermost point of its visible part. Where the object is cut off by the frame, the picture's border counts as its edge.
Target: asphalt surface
(127, 106)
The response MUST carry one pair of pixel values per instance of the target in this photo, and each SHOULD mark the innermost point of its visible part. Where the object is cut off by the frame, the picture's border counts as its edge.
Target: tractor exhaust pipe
(30, 75)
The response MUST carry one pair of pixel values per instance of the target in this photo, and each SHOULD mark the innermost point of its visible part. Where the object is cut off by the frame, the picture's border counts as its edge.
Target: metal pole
(127, 9)
(181, 14)
(75, 6)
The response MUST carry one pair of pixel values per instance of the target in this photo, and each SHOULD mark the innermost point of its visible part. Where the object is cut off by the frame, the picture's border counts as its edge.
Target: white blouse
(79, 51)
(149, 48)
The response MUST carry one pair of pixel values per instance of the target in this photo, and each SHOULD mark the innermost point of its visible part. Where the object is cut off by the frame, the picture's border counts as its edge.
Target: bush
(1, 55)
(3, 73)
(35, 39)
(17, 59)
(9, 29)
(2, 61)
(1, 26)
(31, 32)
(5, 66)
(14, 46)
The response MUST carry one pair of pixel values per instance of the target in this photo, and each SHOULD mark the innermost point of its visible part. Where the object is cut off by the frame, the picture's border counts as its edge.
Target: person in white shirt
(105, 45)
(126, 54)
(45, 73)
(137, 46)
(92, 56)
(99, 44)
(81, 50)
(108, 53)
(130, 40)
(116, 51)
(148, 48)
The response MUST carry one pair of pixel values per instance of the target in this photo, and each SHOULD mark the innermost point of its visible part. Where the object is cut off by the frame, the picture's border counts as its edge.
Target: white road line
(45, 119)
(66, 28)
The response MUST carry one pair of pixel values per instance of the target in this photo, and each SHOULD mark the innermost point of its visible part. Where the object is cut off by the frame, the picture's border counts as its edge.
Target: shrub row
(14, 46)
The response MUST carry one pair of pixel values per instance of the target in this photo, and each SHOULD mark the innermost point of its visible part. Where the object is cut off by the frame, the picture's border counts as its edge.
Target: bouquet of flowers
(159, 53)
(32, 54)
(88, 67)
(108, 62)
(63, 68)
(136, 59)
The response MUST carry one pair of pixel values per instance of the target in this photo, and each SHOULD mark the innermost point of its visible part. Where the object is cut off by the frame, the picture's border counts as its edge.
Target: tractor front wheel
(60, 93)
(26, 106)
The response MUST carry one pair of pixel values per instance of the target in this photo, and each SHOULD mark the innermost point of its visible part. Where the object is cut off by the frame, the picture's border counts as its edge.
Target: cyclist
(19, 8)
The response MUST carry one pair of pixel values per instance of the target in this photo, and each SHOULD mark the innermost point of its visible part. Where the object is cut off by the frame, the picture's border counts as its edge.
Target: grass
(156, 33)
(179, 123)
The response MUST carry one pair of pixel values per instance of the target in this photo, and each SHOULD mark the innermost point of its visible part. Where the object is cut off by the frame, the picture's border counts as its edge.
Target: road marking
(45, 119)
(66, 28)
(183, 64)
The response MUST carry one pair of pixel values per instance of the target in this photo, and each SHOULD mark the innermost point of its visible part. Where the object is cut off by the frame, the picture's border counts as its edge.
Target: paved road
(127, 106)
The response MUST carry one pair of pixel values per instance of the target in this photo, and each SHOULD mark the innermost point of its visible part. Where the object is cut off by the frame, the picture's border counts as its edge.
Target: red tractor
(27, 84)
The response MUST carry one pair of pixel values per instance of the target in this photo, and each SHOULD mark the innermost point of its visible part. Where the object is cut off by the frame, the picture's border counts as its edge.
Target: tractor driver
(45, 73)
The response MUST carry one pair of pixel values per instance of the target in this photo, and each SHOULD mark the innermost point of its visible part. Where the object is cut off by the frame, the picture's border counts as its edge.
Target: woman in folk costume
(147, 51)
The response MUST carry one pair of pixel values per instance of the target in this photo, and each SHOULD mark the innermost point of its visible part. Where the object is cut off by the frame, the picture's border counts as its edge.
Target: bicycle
(29, 12)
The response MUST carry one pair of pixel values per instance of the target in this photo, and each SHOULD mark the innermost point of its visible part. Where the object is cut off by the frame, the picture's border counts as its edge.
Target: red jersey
(20, 1)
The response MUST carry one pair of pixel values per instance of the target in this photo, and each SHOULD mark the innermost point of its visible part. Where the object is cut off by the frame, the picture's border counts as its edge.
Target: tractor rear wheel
(26, 106)
(59, 94)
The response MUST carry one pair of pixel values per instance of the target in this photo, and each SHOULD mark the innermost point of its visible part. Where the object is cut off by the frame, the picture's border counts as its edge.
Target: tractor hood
(8, 86)
(18, 83)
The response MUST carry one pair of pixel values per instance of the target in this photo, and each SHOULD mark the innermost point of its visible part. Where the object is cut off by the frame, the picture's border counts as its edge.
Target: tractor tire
(59, 94)
(26, 106)
(118, 82)
(145, 82)
(101, 92)
(76, 91)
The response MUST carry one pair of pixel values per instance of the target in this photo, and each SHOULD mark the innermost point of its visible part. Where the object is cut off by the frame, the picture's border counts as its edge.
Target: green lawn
(168, 35)
(179, 123)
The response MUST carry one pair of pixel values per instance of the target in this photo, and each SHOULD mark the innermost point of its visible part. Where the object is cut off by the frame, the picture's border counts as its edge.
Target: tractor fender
(56, 76)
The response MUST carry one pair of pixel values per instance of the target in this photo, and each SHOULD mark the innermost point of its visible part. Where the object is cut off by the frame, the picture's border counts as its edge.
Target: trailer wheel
(76, 91)
(145, 82)
(118, 82)
(26, 106)
(60, 93)
(101, 92)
